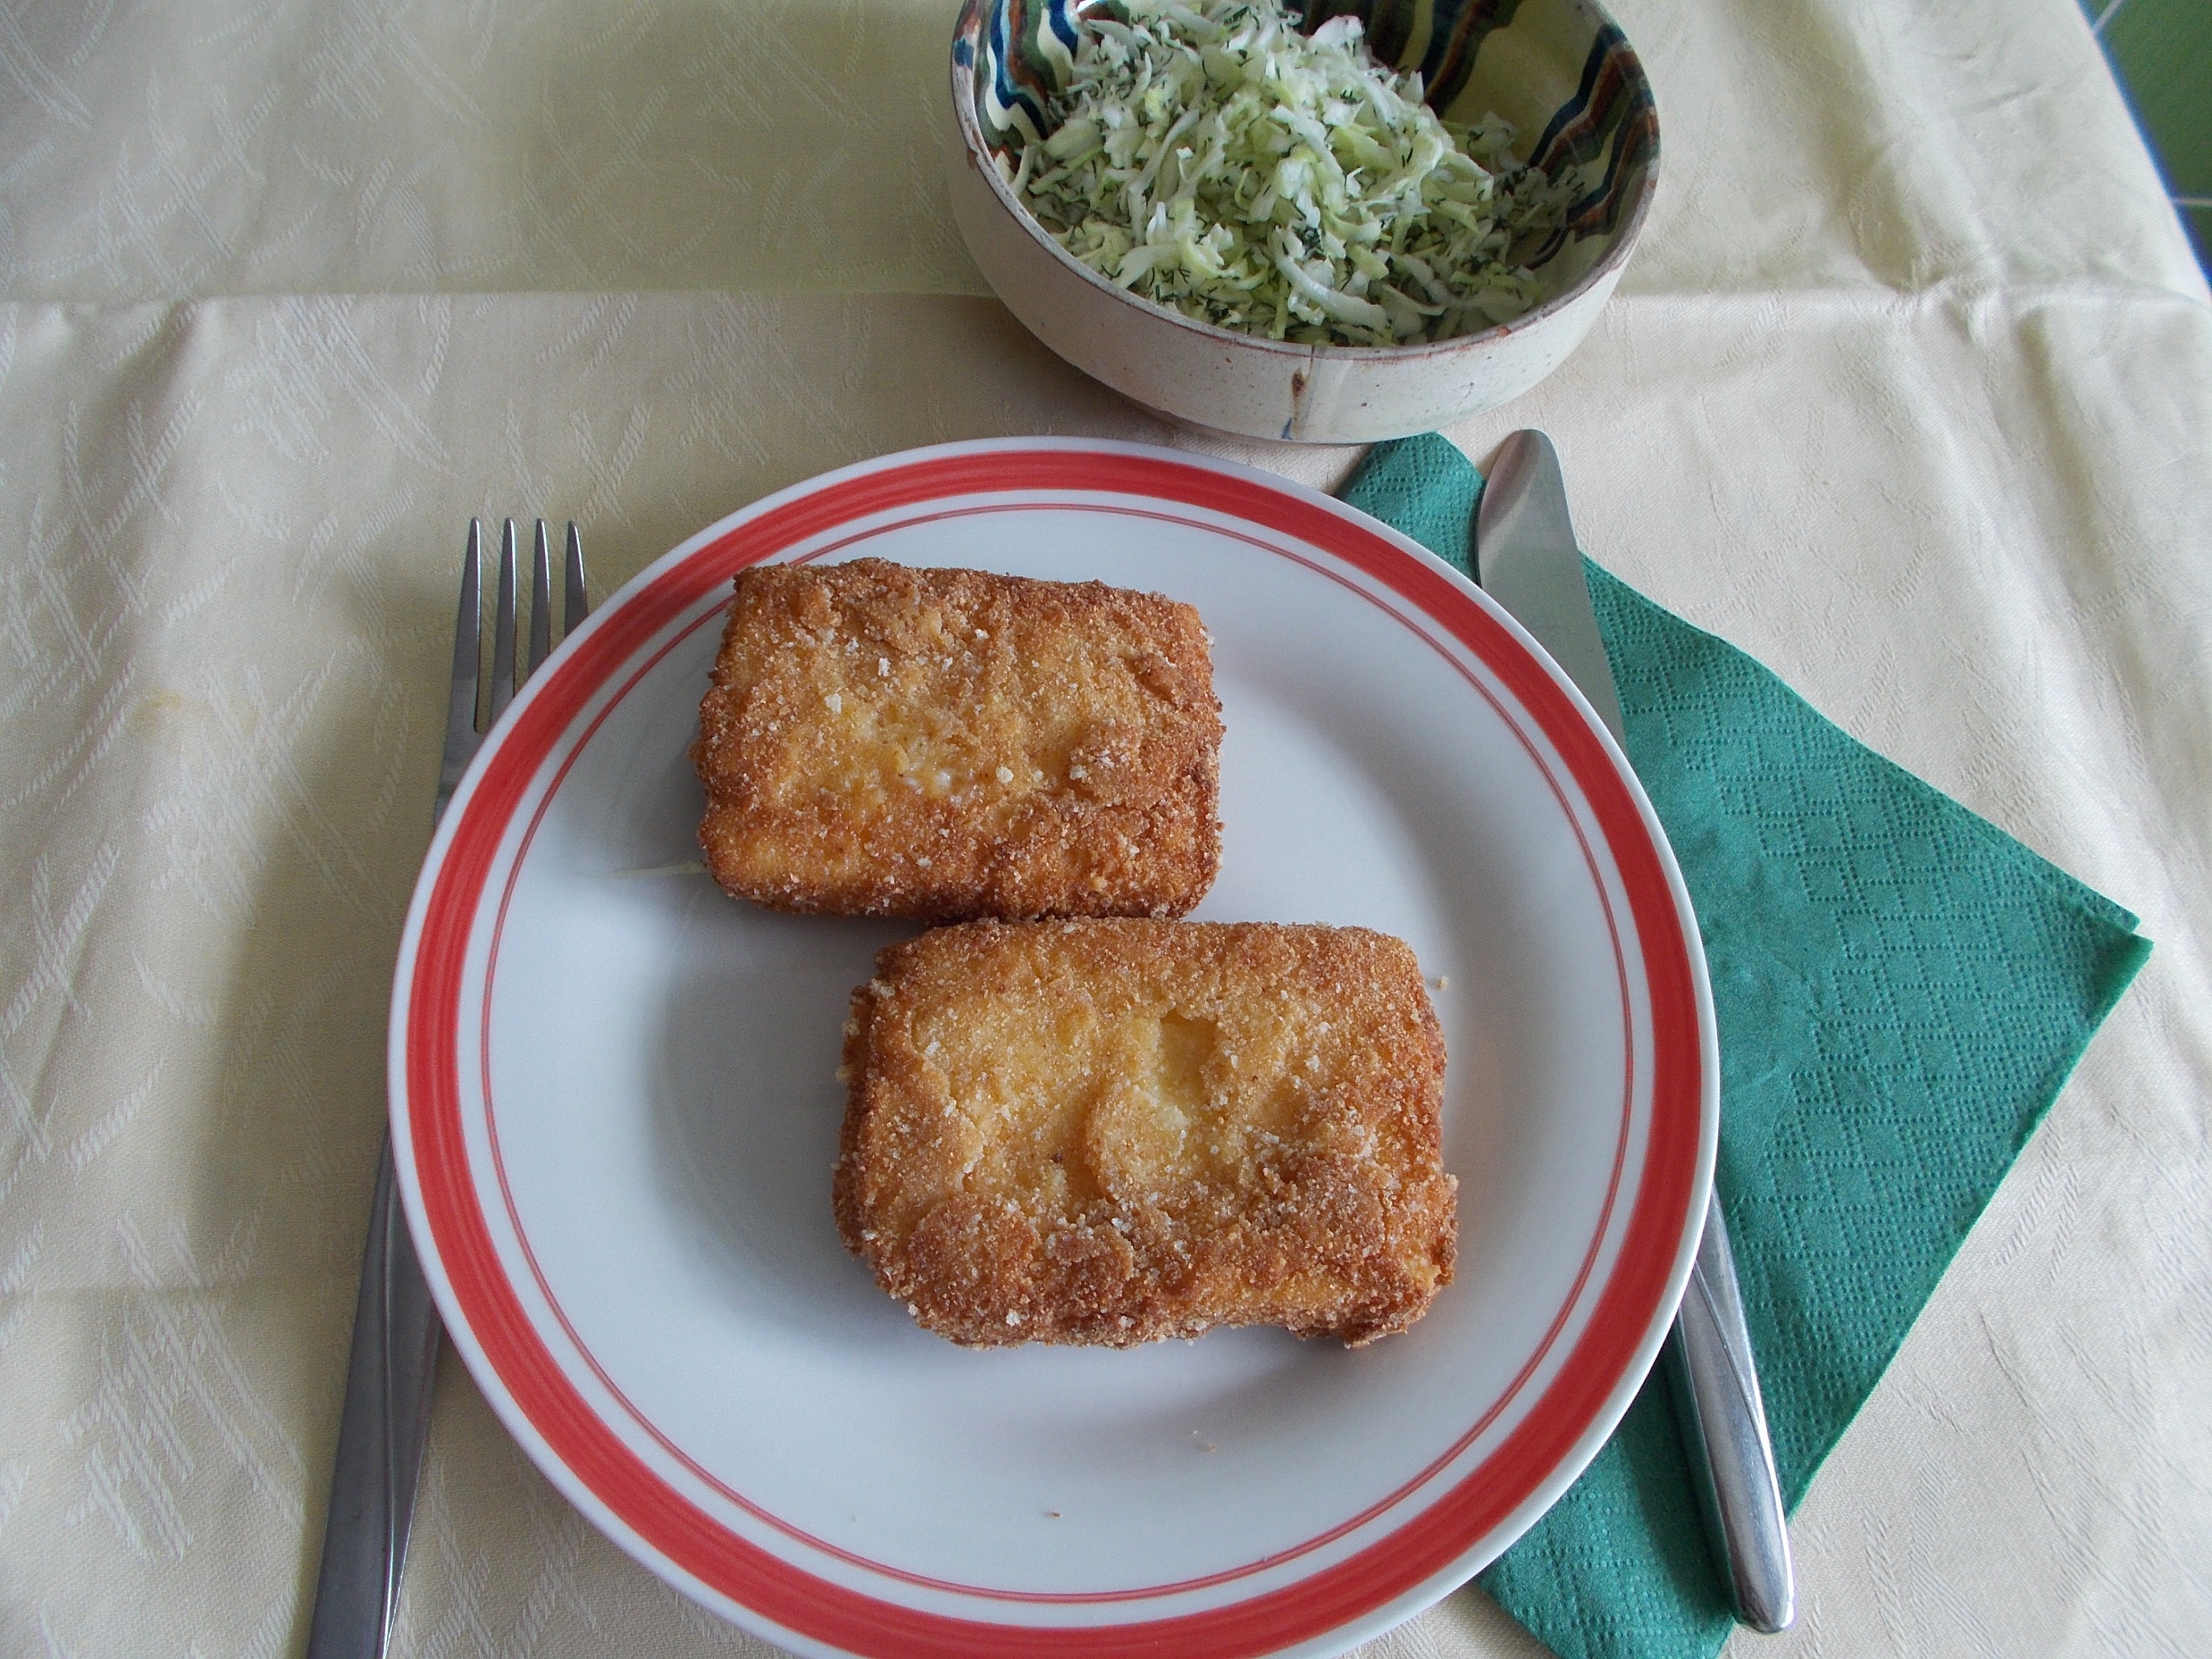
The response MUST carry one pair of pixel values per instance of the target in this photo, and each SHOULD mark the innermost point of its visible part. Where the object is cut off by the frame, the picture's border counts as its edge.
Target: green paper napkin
(1901, 989)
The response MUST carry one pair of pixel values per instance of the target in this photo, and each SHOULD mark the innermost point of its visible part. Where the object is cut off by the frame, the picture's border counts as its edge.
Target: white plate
(614, 1111)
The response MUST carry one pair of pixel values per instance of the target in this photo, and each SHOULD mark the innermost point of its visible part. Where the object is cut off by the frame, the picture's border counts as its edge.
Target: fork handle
(380, 1438)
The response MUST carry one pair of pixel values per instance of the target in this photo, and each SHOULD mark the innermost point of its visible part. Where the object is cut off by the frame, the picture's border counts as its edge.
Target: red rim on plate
(1440, 1538)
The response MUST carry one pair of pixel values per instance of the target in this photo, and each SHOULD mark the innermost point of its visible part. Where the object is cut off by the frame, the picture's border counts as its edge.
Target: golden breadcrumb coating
(1114, 1132)
(939, 745)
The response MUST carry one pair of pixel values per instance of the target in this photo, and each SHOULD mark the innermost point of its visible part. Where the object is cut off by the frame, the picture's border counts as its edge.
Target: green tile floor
(2161, 51)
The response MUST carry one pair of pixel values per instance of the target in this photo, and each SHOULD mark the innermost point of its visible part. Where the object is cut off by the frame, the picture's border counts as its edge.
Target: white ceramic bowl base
(1247, 386)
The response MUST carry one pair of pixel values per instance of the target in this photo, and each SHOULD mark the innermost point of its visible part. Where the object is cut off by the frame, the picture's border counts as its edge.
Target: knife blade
(1528, 560)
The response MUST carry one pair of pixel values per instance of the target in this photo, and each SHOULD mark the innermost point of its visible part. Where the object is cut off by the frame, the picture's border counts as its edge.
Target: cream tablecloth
(1909, 393)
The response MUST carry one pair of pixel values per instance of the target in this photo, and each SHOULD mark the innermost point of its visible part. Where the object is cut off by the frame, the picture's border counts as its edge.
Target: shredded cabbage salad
(1210, 157)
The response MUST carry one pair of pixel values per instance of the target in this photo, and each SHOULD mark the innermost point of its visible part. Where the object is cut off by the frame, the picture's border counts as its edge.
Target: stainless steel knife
(1528, 562)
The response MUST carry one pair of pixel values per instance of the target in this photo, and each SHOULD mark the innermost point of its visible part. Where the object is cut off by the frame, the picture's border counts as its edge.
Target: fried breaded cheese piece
(941, 745)
(1117, 1131)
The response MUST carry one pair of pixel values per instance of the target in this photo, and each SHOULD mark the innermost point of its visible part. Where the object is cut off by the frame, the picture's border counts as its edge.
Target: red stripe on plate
(881, 525)
(1428, 1544)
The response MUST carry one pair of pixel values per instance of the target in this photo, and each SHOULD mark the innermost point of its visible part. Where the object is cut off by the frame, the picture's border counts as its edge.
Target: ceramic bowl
(1559, 70)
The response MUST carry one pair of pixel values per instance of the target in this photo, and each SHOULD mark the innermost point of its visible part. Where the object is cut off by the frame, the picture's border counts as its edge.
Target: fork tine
(541, 603)
(502, 639)
(461, 699)
(579, 598)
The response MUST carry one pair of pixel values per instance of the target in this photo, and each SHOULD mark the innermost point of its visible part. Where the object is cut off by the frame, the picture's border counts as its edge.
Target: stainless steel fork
(395, 1324)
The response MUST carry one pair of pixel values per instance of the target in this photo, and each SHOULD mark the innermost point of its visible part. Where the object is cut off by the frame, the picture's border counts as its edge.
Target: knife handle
(380, 1438)
(1723, 1425)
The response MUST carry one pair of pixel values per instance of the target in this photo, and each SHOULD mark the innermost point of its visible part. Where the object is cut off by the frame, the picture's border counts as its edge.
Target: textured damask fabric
(1908, 395)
